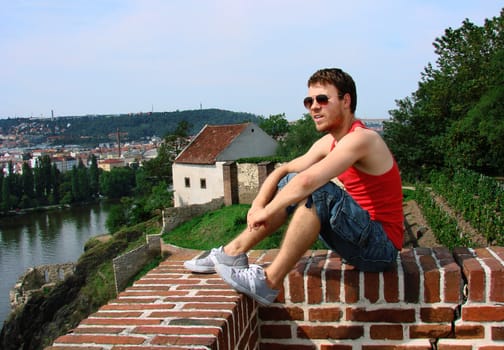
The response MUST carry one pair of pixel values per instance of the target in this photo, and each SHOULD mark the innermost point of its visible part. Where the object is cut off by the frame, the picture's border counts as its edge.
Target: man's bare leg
(249, 238)
(302, 232)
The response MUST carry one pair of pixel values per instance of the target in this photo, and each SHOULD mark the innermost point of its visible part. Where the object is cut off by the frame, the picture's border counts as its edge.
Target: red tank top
(380, 195)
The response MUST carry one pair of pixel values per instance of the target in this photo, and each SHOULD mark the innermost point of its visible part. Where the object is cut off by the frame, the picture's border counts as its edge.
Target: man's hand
(256, 218)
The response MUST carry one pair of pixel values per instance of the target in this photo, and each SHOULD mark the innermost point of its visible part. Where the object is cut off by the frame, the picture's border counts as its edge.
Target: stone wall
(172, 217)
(36, 279)
(126, 266)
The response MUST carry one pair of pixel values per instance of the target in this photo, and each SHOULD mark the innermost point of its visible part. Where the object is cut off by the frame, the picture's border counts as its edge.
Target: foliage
(118, 182)
(443, 225)
(95, 129)
(478, 198)
(275, 125)
(218, 228)
(454, 119)
(302, 134)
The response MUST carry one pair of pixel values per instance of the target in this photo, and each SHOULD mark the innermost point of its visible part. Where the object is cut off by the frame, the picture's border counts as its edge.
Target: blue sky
(120, 56)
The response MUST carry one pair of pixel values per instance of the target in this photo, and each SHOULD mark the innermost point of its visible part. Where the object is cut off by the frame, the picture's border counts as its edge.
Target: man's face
(327, 113)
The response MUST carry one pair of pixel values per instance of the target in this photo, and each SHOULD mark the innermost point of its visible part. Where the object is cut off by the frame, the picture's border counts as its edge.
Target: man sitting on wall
(362, 223)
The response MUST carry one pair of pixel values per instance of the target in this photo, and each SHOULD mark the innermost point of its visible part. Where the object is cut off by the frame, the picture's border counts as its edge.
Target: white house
(197, 170)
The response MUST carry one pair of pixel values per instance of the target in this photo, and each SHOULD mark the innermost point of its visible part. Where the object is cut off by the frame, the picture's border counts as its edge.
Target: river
(52, 237)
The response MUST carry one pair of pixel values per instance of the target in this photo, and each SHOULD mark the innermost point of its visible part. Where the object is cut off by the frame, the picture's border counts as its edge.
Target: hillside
(94, 129)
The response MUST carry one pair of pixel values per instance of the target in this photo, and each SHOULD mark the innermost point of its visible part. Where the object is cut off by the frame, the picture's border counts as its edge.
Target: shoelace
(249, 275)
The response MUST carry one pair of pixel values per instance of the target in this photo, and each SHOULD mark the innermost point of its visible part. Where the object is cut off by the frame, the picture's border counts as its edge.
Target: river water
(52, 237)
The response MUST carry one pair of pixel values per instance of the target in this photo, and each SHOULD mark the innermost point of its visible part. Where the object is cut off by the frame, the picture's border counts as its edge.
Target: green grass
(217, 228)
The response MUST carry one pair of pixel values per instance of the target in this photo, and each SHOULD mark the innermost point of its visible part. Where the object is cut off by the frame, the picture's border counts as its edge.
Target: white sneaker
(250, 281)
(207, 262)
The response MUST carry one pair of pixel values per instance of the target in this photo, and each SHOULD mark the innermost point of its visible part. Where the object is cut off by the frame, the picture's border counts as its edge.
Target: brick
(391, 285)
(333, 279)
(372, 286)
(473, 272)
(314, 280)
(296, 282)
(99, 339)
(468, 331)
(110, 307)
(330, 332)
(326, 314)
(493, 313)
(277, 346)
(393, 332)
(143, 347)
(399, 315)
(431, 279)
(397, 347)
(499, 251)
(281, 313)
(187, 341)
(430, 331)
(498, 333)
(450, 345)
(351, 284)
(437, 314)
(60, 347)
(276, 331)
(99, 330)
(177, 330)
(496, 280)
(335, 347)
(411, 276)
(190, 314)
(120, 321)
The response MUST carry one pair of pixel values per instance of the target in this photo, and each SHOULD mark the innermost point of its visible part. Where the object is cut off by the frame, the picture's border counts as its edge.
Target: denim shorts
(347, 229)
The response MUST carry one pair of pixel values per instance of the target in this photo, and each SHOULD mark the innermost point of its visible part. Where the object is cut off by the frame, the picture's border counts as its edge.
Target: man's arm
(297, 165)
(348, 151)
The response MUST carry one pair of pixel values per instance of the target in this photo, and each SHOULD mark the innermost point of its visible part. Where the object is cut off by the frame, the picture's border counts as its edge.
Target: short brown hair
(341, 80)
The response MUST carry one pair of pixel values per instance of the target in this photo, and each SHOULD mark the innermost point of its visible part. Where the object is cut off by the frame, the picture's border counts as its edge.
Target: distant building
(197, 171)
(111, 163)
(64, 163)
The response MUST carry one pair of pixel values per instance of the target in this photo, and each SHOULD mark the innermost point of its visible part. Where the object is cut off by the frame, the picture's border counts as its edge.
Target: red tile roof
(209, 143)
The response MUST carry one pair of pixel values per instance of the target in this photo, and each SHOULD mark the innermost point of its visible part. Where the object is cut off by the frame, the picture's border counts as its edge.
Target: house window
(203, 183)
(187, 182)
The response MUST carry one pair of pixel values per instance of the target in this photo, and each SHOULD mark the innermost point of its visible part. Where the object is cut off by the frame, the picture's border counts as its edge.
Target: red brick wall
(433, 299)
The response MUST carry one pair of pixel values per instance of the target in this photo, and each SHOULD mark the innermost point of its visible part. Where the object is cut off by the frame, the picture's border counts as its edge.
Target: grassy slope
(217, 228)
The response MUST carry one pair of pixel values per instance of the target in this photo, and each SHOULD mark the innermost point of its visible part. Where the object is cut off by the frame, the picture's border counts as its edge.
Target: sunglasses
(321, 100)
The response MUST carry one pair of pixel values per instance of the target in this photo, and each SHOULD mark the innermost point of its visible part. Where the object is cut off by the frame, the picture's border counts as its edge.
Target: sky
(85, 57)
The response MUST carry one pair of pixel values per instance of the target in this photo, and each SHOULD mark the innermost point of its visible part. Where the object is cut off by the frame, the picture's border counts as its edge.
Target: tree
(28, 180)
(302, 134)
(117, 183)
(56, 181)
(94, 176)
(444, 123)
(276, 125)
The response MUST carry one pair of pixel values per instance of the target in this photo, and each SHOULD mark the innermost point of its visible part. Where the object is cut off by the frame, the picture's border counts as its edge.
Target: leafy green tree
(302, 134)
(117, 217)
(1, 185)
(117, 183)
(159, 198)
(28, 180)
(6, 194)
(55, 197)
(76, 195)
(83, 182)
(447, 121)
(94, 176)
(183, 128)
(275, 125)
